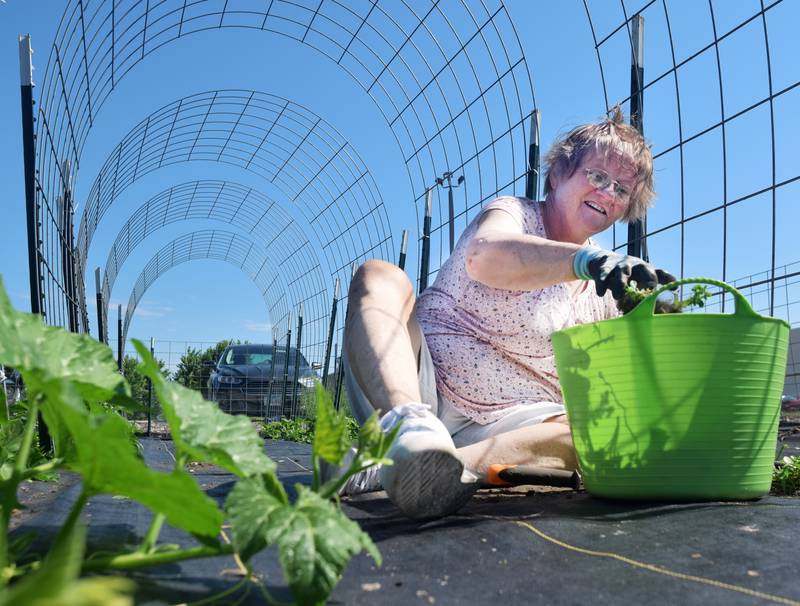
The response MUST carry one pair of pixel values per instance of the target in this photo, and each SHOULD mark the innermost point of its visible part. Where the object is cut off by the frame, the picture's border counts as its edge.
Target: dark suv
(240, 380)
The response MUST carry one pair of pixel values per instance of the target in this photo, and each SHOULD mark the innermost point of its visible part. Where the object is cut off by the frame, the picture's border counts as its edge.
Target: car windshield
(259, 354)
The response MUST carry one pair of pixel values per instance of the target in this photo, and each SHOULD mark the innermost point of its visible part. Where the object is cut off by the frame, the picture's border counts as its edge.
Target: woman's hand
(613, 271)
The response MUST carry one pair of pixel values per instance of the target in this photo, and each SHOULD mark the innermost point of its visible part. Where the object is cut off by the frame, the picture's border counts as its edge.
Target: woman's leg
(382, 336)
(547, 444)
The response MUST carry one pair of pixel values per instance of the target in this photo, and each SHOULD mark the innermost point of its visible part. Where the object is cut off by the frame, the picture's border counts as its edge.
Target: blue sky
(209, 300)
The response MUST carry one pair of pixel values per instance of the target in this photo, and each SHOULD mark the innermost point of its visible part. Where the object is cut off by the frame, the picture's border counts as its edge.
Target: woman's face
(578, 209)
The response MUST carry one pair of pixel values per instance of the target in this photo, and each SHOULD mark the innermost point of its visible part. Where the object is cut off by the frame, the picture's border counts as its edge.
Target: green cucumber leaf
(43, 353)
(105, 453)
(331, 441)
(317, 546)
(200, 429)
(315, 538)
(258, 514)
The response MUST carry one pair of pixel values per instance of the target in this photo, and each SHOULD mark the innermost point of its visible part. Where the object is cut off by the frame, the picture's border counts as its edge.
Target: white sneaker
(427, 479)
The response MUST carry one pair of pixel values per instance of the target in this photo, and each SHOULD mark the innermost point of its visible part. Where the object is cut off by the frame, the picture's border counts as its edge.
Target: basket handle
(648, 304)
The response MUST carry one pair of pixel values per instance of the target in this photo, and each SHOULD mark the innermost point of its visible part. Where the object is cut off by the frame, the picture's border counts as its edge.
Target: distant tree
(191, 371)
(136, 380)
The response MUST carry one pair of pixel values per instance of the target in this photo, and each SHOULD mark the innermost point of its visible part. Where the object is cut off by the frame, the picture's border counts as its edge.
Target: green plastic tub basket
(675, 406)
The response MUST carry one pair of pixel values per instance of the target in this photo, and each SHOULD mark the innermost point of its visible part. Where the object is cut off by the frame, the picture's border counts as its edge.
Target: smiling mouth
(595, 207)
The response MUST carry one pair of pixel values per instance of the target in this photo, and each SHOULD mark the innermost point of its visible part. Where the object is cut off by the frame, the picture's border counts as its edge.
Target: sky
(206, 301)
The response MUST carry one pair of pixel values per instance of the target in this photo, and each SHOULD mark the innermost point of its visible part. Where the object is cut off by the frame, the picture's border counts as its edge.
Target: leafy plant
(73, 382)
(632, 296)
(786, 476)
(302, 430)
(292, 430)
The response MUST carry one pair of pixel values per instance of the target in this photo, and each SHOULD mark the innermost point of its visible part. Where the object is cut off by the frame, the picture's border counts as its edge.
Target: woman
(469, 367)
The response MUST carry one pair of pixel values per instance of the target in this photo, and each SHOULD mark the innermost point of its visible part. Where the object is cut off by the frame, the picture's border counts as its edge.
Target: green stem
(151, 538)
(215, 599)
(130, 561)
(315, 472)
(32, 472)
(17, 476)
(330, 490)
(27, 439)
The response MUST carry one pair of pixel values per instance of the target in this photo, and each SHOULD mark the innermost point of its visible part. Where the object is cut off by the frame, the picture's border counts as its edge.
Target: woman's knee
(376, 277)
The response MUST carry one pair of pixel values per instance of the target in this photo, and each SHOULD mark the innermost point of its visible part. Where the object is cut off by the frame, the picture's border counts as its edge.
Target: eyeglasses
(600, 179)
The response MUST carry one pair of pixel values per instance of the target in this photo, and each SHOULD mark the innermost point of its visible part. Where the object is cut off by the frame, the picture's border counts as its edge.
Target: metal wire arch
(220, 245)
(379, 46)
(297, 151)
(257, 216)
(778, 276)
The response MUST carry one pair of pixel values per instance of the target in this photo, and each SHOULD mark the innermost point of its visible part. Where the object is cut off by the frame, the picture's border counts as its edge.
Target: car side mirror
(209, 364)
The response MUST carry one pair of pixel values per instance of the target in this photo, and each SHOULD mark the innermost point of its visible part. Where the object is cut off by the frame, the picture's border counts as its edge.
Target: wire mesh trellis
(220, 245)
(258, 217)
(715, 123)
(432, 69)
(327, 184)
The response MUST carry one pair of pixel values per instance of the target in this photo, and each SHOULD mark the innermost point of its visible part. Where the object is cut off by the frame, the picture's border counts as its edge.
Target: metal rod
(286, 366)
(401, 261)
(451, 216)
(120, 344)
(67, 248)
(272, 368)
(150, 389)
(637, 244)
(101, 335)
(340, 371)
(534, 161)
(426, 241)
(298, 343)
(331, 328)
(29, 162)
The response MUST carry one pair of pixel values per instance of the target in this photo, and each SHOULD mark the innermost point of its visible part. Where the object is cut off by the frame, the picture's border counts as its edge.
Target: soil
(36, 496)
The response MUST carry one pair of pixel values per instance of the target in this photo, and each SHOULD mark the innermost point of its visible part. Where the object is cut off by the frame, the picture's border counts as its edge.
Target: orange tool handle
(499, 474)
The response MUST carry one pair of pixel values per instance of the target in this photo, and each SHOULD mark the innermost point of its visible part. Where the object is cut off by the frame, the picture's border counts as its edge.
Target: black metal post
(534, 161)
(451, 211)
(101, 331)
(340, 371)
(272, 369)
(298, 343)
(451, 216)
(331, 328)
(150, 390)
(637, 244)
(425, 258)
(67, 247)
(120, 344)
(29, 162)
(286, 366)
(401, 260)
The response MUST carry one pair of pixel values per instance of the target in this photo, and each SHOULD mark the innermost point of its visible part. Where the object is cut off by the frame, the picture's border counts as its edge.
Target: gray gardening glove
(613, 271)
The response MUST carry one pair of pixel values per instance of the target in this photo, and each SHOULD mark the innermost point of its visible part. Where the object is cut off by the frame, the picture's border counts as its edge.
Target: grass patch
(302, 430)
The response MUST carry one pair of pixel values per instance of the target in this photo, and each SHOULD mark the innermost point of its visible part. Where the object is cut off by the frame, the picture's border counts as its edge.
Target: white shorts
(464, 430)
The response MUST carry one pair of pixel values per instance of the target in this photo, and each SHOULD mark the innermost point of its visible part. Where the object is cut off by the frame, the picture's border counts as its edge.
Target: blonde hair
(609, 137)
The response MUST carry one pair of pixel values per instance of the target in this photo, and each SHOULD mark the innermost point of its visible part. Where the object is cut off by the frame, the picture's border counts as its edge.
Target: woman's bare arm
(501, 255)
